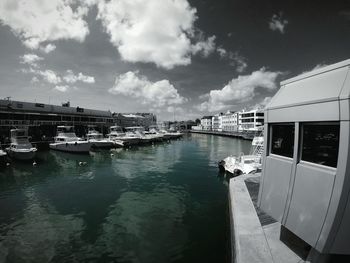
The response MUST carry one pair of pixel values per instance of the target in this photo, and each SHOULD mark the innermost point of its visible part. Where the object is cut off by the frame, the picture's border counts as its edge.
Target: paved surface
(252, 242)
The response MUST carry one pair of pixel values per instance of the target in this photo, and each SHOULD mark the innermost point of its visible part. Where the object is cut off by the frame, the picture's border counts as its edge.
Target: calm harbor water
(162, 203)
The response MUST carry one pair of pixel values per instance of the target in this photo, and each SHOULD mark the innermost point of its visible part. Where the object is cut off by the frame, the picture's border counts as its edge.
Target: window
(320, 143)
(39, 105)
(282, 140)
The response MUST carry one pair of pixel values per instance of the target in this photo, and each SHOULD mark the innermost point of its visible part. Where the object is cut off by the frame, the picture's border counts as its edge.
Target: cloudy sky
(191, 57)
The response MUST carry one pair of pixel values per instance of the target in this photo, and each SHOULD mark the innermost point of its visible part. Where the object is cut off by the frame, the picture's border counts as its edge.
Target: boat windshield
(95, 136)
(65, 129)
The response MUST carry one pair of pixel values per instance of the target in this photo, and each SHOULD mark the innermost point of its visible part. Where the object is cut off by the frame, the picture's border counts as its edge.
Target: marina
(110, 207)
(174, 131)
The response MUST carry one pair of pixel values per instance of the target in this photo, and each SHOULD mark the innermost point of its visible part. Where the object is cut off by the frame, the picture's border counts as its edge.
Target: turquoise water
(162, 203)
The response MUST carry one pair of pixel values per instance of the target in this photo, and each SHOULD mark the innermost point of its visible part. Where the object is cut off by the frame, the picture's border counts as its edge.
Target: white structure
(229, 121)
(305, 183)
(67, 141)
(20, 147)
(216, 122)
(197, 128)
(206, 123)
(250, 120)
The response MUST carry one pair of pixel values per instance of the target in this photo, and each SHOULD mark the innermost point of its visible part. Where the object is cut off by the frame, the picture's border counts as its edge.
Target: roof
(207, 117)
(329, 83)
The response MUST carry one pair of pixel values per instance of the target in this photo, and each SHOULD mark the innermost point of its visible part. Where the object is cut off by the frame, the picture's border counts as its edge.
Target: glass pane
(283, 139)
(320, 144)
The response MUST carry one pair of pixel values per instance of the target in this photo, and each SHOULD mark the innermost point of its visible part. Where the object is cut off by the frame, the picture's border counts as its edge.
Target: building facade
(216, 122)
(206, 123)
(135, 119)
(250, 120)
(230, 121)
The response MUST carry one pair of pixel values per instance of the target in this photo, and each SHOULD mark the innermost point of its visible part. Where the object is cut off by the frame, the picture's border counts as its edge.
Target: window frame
(270, 128)
(301, 142)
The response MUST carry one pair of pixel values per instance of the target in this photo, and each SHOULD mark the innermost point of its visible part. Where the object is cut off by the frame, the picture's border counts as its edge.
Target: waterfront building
(135, 119)
(305, 183)
(206, 123)
(47, 117)
(229, 121)
(216, 122)
(252, 120)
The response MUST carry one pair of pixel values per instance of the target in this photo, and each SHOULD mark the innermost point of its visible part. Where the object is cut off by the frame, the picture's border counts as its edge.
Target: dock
(255, 236)
(246, 135)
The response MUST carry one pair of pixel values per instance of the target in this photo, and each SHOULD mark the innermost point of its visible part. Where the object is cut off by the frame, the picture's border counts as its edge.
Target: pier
(246, 135)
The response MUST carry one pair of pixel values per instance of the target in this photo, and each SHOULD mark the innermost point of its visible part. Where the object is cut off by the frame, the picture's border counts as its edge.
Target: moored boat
(117, 135)
(20, 147)
(3, 155)
(245, 164)
(96, 139)
(67, 141)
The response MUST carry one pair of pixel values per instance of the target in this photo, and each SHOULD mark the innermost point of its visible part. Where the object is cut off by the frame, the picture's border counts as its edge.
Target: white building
(229, 121)
(250, 120)
(206, 123)
(216, 122)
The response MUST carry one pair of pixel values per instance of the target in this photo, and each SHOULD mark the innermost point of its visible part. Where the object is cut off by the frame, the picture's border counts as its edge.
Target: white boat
(145, 137)
(96, 139)
(155, 135)
(20, 147)
(3, 155)
(67, 141)
(171, 134)
(117, 135)
(245, 164)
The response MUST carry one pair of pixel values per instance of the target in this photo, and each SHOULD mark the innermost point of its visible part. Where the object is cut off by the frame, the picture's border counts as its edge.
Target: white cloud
(30, 59)
(70, 77)
(34, 79)
(262, 104)
(206, 47)
(157, 94)
(156, 31)
(222, 52)
(278, 23)
(36, 22)
(236, 60)
(48, 48)
(240, 89)
(63, 88)
(50, 76)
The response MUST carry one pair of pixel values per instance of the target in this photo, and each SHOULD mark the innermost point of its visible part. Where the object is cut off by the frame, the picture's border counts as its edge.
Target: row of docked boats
(66, 140)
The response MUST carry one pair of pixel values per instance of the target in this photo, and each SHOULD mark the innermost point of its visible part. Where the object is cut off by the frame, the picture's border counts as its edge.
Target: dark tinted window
(282, 142)
(320, 144)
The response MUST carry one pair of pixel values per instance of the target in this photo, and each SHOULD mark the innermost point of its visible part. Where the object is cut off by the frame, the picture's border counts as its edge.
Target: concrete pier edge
(248, 239)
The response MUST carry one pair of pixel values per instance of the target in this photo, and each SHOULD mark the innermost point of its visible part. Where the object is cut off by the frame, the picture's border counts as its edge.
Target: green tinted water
(162, 203)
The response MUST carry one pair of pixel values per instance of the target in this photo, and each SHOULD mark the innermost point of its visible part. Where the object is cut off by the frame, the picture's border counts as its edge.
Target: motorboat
(155, 135)
(67, 141)
(171, 134)
(3, 155)
(20, 147)
(97, 140)
(245, 164)
(138, 132)
(117, 135)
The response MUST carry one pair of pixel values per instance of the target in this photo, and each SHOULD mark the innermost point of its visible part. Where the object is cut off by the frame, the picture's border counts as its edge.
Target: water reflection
(35, 236)
(159, 203)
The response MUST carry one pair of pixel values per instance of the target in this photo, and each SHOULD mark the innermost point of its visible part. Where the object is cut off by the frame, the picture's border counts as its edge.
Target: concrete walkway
(252, 242)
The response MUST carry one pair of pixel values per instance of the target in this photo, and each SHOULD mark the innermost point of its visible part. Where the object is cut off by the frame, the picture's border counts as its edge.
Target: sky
(180, 59)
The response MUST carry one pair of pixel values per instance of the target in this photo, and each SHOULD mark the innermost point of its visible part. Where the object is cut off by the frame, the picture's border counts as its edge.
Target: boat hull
(101, 144)
(22, 155)
(73, 147)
